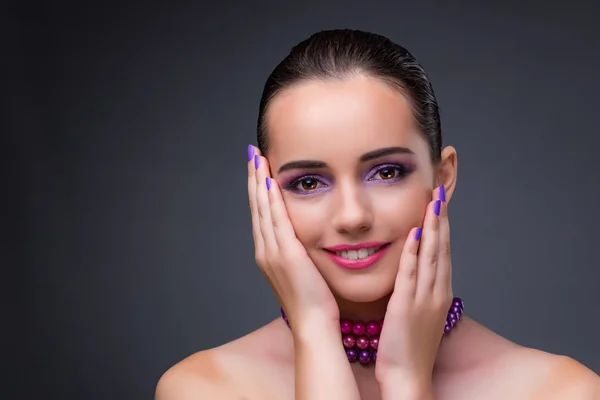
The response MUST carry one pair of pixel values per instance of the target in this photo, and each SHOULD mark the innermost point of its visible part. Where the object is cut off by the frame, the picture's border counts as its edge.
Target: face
(353, 170)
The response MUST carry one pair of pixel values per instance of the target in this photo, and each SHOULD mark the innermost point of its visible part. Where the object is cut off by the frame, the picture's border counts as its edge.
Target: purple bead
(362, 342)
(458, 303)
(456, 309)
(374, 356)
(352, 355)
(358, 328)
(345, 326)
(447, 328)
(364, 357)
(373, 328)
(450, 316)
(349, 341)
(453, 322)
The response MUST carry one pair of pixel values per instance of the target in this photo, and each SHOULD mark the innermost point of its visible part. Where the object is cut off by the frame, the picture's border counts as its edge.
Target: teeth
(357, 254)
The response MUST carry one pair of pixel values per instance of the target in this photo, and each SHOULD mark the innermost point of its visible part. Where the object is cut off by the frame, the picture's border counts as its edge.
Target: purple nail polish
(250, 152)
(418, 233)
(436, 207)
(256, 161)
(268, 183)
(442, 193)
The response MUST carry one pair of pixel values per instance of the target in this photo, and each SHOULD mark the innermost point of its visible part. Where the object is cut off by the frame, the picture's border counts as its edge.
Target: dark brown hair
(340, 54)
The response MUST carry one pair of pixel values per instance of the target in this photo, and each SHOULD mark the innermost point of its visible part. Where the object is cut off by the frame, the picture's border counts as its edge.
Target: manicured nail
(250, 152)
(418, 234)
(268, 183)
(442, 193)
(256, 161)
(436, 207)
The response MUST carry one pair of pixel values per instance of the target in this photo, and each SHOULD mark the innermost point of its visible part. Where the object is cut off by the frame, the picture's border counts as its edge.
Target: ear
(446, 171)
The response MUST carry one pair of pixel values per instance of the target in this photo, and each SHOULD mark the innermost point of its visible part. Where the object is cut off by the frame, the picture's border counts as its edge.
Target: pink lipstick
(357, 256)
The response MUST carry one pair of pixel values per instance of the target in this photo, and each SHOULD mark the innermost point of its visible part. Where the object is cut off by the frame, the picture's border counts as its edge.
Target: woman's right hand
(298, 285)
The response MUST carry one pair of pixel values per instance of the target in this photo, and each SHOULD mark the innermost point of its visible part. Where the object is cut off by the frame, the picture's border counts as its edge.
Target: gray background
(130, 214)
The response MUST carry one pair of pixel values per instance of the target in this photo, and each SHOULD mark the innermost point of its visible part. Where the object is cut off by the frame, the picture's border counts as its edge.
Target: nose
(352, 213)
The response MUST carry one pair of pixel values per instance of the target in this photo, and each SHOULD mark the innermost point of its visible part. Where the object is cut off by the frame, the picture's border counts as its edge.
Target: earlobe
(447, 170)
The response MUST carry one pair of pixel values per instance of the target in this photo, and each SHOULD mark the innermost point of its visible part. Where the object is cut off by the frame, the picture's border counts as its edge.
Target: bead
(345, 326)
(352, 355)
(447, 328)
(374, 356)
(457, 302)
(358, 328)
(453, 322)
(373, 328)
(349, 341)
(450, 316)
(364, 357)
(362, 342)
(456, 309)
(374, 342)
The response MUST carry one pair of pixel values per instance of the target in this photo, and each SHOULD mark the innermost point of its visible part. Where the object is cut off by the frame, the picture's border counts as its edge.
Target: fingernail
(250, 152)
(442, 193)
(436, 207)
(268, 183)
(256, 161)
(418, 234)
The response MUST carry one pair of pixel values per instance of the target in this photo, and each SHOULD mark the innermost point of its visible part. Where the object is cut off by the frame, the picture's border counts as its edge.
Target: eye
(388, 173)
(308, 184)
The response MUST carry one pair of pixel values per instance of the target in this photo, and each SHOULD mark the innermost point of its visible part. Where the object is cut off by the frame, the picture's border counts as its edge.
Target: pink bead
(373, 328)
(349, 341)
(345, 326)
(362, 342)
(358, 328)
(374, 342)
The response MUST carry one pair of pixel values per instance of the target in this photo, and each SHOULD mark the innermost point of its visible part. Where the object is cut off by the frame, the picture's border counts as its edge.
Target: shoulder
(240, 369)
(558, 377)
(198, 376)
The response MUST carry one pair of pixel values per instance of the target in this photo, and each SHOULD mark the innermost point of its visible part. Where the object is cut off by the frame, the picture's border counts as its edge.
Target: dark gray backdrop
(128, 162)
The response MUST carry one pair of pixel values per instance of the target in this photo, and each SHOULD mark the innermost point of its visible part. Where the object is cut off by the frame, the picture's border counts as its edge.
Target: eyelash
(401, 172)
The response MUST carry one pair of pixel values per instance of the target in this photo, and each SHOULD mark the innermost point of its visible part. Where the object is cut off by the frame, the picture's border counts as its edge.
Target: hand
(416, 313)
(298, 285)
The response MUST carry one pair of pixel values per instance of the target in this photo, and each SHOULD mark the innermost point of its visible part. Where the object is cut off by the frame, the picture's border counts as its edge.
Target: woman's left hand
(416, 313)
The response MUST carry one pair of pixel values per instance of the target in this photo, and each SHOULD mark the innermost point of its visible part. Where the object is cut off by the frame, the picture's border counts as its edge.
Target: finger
(428, 251)
(263, 206)
(258, 239)
(406, 279)
(443, 280)
(282, 225)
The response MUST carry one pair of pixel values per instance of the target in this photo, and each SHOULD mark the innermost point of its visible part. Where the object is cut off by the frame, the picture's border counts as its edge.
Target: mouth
(357, 256)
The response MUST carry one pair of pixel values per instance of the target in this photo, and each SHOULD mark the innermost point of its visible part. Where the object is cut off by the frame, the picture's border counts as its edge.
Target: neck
(369, 311)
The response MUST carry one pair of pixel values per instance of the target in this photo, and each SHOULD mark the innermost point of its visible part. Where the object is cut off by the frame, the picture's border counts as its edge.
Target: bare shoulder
(558, 376)
(236, 370)
(525, 373)
(198, 376)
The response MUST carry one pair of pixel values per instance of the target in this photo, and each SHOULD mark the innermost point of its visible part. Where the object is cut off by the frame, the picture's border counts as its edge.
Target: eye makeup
(313, 183)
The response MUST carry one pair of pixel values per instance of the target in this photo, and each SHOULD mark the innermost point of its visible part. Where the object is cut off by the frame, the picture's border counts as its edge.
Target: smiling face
(353, 169)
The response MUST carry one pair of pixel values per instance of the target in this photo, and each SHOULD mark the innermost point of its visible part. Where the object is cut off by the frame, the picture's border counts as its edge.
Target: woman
(348, 191)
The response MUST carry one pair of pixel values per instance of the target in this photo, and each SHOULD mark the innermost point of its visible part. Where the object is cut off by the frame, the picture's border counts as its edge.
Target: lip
(357, 264)
(363, 245)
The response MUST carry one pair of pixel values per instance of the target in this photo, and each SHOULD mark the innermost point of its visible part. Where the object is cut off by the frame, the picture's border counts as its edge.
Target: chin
(362, 287)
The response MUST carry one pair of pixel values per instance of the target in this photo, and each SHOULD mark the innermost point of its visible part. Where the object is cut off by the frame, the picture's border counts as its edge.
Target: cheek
(308, 220)
(404, 208)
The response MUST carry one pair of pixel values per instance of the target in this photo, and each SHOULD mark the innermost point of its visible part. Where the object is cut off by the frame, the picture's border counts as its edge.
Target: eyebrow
(371, 155)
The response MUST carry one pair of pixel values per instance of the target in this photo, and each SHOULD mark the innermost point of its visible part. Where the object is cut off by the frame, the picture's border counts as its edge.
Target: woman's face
(353, 169)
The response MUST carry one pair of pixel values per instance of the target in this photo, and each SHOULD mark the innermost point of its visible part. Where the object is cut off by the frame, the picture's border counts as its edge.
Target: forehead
(324, 119)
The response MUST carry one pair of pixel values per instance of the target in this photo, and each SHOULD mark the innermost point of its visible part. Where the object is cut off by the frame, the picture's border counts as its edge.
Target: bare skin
(336, 122)
(473, 363)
